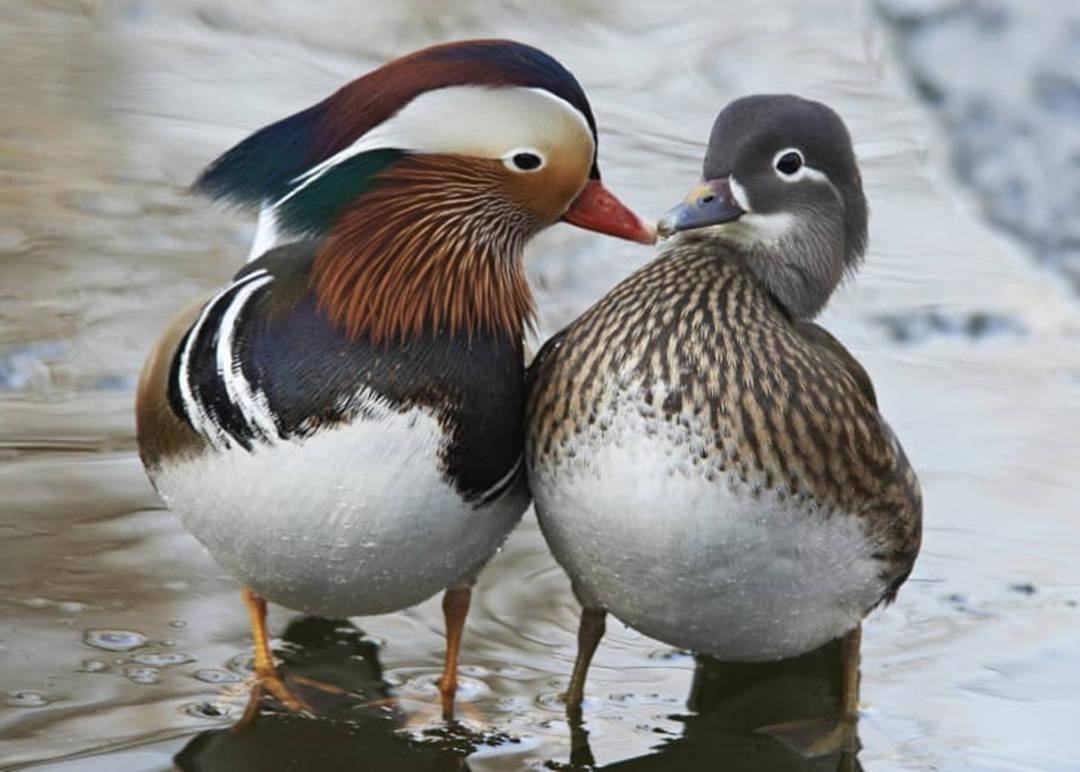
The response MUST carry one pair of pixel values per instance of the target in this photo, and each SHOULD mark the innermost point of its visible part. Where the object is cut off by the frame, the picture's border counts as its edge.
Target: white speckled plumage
(647, 533)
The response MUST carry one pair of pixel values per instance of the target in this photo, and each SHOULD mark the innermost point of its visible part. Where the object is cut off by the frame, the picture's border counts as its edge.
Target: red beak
(597, 209)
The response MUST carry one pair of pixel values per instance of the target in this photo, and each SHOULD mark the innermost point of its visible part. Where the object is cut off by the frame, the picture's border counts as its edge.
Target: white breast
(351, 521)
(695, 562)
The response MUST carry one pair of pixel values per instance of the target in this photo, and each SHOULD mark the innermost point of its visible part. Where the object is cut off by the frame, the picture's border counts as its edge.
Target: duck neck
(434, 249)
(800, 264)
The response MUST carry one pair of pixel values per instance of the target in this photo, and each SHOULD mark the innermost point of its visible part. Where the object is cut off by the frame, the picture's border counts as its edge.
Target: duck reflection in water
(728, 704)
(358, 727)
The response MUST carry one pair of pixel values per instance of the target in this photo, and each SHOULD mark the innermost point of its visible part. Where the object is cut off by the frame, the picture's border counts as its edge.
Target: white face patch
(753, 226)
(497, 123)
(472, 121)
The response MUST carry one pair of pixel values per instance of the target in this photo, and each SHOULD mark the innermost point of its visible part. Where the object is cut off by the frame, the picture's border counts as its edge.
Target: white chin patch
(766, 227)
(755, 228)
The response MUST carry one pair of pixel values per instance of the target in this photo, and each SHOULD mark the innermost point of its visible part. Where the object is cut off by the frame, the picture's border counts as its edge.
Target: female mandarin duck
(708, 464)
(340, 425)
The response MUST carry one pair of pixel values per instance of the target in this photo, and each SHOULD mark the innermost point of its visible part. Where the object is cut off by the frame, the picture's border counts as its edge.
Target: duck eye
(526, 162)
(788, 162)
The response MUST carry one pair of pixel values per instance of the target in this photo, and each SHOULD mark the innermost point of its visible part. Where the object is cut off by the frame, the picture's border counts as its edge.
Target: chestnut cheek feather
(428, 250)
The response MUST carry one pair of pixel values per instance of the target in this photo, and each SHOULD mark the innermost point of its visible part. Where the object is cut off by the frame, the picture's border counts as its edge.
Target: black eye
(789, 163)
(527, 161)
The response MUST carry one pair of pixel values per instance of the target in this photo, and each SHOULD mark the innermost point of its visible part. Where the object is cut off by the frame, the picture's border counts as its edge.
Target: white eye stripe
(810, 173)
(469, 120)
(804, 171)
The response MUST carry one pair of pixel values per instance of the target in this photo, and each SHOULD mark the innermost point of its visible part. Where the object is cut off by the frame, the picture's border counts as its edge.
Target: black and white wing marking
(207, 384)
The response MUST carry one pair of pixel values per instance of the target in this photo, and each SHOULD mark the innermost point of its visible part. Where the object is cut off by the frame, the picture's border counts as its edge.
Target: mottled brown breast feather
(779, 405)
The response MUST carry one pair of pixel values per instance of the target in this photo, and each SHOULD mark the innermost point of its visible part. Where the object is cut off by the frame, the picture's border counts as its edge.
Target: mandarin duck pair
(349, 428)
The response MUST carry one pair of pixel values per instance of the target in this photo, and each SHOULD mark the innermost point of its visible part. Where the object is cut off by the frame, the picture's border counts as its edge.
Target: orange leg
(455, 608)
(267, 679)
(590, 631)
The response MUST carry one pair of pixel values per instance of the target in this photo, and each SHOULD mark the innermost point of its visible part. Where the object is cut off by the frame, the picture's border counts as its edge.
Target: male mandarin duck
(708, 464)
(340, 425)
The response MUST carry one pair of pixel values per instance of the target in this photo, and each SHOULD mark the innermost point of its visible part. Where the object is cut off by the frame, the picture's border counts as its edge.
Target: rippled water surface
(122, 646)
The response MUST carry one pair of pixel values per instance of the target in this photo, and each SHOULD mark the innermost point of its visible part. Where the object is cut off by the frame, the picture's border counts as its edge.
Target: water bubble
(209, 710)
(426, 686)
(515, 672)
(162, 658)
(670, 655)
(71, 606)
(553, 701)
(637, 700)
(142, 675)
(558, 725)
(244, 664)
(38, 602)
(515, 705)
(476, 671)
(27, 699)
(114, 640)
(93, 666)
(218, 676)
(178, 623)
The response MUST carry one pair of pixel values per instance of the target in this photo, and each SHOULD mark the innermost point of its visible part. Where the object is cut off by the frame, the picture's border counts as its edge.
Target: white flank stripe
(483, 498)
(266, 234)
(200, 419)
(252, 404)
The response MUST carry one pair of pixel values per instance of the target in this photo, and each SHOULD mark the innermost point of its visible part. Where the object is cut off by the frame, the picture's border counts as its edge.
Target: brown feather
(161, 433)
(775, 405)
(437, 246)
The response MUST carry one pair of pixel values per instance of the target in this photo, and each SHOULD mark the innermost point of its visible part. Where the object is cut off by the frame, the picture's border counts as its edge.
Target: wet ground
(122, 647)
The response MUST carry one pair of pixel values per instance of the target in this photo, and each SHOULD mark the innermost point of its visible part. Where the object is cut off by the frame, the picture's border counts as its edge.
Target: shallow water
(121, 644)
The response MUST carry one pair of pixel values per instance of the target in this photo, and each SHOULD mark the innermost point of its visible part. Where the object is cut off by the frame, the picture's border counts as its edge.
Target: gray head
(781, 189)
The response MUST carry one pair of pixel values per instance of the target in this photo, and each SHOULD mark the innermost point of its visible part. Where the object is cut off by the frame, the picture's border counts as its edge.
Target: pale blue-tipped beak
(710, 203)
